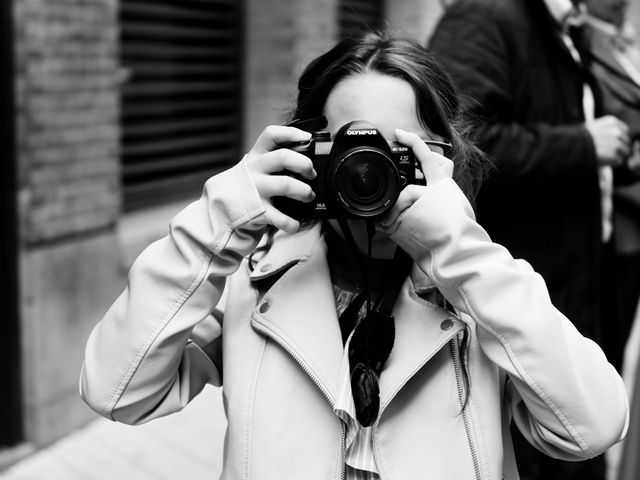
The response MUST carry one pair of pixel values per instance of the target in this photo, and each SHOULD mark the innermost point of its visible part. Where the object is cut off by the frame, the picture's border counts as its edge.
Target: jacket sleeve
(475, 43)
(564, 396)
(146, 358)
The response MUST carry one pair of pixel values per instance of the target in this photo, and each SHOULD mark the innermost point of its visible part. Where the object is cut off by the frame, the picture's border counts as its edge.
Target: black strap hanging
(374, 336)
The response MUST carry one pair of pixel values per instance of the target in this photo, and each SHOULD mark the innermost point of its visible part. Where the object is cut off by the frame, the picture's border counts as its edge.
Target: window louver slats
(181, 99)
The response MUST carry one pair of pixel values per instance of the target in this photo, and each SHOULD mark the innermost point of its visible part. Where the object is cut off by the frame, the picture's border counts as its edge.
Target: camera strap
(364, 264)
(401, 266)
(374, 336)
(381, 310)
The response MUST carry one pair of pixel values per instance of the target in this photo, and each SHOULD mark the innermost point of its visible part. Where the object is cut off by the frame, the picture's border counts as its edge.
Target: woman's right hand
(267, 162)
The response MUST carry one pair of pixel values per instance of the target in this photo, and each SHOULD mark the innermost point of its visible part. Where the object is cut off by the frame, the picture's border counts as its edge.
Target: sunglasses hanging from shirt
(374, 335)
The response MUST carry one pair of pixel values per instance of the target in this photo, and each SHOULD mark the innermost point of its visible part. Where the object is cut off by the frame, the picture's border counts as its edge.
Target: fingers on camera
(285, 186)
(275, 136)
(282, 221)
(284, 159)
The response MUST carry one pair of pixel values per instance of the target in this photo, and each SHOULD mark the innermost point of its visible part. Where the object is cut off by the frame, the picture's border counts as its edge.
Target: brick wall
(68, 198)
(67, 117)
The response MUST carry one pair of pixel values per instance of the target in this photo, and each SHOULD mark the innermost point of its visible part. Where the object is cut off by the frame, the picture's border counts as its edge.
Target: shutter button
(264, 307)
(446, 324)
(266, 267)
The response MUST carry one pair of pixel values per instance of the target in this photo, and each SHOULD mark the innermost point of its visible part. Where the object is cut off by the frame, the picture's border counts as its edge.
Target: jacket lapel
(422, 329)
(602, 48)
(298, 311)
(612, 75)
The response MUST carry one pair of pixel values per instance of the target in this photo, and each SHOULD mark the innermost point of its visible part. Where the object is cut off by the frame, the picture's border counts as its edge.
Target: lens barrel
(364, 181)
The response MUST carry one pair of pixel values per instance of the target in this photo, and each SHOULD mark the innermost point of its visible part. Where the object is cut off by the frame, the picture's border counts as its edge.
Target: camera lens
(365, 182)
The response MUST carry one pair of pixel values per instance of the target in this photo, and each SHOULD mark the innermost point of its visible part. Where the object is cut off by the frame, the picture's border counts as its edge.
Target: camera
(359, 174)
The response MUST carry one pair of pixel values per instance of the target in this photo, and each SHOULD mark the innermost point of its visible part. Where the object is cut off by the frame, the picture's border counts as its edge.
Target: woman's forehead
(385, 101)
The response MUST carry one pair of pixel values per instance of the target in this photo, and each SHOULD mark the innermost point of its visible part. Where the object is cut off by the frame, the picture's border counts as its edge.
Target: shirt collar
(559, 9)
(565, 13)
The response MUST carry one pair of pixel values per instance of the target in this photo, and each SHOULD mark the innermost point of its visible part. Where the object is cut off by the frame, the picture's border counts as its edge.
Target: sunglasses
(443, 148)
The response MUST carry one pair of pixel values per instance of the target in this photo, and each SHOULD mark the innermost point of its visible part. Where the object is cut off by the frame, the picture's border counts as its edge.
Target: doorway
(11, 432)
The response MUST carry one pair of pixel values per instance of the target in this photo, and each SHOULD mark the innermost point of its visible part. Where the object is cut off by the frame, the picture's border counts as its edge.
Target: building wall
(295, 33)
(68, 117)
(633, 16)
(413, 18)
(68, 195)
(281, 37)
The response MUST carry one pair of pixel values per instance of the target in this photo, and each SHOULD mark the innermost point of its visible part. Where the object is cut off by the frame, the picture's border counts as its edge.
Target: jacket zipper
(274, 336)
(343, 453)
(465, 414)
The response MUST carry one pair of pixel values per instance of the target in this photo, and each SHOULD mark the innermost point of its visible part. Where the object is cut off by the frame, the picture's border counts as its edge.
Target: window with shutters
(180, 97)
(358, 15)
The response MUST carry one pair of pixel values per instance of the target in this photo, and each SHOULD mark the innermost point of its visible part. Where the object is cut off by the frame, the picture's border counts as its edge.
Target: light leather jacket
(277, 349)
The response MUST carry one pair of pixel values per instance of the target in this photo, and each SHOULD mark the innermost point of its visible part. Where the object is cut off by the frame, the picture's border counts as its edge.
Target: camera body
(359, 174)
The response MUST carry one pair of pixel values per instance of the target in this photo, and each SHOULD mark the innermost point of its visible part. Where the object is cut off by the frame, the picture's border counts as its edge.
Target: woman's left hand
(435, 168)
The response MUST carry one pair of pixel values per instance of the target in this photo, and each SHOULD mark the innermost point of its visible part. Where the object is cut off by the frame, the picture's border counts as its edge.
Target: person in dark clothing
(549, 197)
(614, 60)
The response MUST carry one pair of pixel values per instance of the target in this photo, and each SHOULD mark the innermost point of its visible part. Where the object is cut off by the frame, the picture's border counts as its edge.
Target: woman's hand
(435, 168)
(267, 162)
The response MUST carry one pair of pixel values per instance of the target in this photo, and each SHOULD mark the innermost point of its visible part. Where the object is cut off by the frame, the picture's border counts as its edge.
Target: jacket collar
(422, 330)
(553, 19)
(298, 312)
(608, 48)
(287, 250)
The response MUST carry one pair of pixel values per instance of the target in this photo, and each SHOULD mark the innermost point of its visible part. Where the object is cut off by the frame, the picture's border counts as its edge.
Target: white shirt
(360, 463)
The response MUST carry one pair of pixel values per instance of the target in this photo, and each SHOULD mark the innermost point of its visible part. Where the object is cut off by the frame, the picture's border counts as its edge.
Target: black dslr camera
(359, 174)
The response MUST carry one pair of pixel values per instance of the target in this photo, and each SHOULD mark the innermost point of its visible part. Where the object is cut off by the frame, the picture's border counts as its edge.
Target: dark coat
(542, 200)
(620, 97)
(620, 94)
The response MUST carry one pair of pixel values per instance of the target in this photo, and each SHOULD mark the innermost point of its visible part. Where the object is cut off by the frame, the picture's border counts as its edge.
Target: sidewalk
(184, 445)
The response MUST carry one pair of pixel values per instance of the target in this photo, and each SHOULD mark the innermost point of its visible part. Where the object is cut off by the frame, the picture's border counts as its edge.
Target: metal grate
(181, 98)
(356, 16)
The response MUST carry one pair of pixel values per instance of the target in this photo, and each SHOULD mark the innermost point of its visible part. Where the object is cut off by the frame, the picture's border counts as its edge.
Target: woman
(475, 343)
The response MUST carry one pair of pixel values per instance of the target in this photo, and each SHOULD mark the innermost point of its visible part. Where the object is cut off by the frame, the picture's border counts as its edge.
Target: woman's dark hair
(438, 105)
